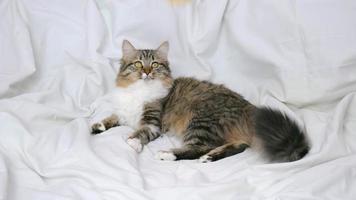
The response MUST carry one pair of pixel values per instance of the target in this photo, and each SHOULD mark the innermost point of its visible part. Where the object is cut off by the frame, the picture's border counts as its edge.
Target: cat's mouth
(146, 77)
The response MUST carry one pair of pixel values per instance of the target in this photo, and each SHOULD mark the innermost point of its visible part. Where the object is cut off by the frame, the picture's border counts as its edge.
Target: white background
(57, 57)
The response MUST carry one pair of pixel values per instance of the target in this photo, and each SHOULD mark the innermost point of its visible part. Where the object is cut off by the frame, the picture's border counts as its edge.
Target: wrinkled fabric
(57, 58)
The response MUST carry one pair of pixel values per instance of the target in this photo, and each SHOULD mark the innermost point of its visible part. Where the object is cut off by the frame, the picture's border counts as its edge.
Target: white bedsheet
(57, 57)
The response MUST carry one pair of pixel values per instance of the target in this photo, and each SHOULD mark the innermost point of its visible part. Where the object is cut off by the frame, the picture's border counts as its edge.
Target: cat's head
(144, 65)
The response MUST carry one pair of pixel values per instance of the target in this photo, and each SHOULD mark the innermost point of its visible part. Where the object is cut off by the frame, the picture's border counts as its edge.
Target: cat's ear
(128, 50)
(162, 50)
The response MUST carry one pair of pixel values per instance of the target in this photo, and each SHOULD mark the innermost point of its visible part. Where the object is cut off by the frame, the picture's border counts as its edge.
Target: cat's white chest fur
(129, 102)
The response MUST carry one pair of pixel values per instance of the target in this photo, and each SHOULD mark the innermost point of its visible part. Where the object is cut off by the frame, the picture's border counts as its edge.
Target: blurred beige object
(179, 2)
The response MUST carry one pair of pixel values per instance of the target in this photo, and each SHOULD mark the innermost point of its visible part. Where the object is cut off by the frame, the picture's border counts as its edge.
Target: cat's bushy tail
(281, 138)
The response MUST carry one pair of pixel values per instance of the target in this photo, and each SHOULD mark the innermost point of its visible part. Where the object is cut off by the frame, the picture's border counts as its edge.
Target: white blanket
(58, 57)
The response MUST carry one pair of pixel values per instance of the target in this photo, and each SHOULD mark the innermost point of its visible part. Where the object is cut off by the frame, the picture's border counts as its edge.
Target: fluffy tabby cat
(213, 121)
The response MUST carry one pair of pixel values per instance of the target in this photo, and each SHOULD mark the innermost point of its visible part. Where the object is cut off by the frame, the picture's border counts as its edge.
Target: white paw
(97, 128)
(205, 159)
(165, 155)
(101, 126)
(135, 144)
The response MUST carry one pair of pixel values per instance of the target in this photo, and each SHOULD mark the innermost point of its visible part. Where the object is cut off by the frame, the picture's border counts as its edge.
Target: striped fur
(222, 123)
(213, 121)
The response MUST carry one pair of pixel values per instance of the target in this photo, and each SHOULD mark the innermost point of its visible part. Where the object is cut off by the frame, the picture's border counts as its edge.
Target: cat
(213, 121)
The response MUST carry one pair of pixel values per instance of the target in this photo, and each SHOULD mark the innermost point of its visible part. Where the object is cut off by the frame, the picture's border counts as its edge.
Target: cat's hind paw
(97, 128)
(165, 155)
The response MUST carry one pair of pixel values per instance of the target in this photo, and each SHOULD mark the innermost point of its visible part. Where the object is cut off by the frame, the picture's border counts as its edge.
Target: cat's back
(196, 94)
(193, 101)
(193, 88)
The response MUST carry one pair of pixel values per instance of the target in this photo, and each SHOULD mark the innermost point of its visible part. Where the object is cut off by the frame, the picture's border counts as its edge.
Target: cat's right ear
(162, 50)
(128, 50)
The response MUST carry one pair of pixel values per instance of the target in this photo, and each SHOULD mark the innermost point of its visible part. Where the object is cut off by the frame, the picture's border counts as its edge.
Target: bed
(58, 57)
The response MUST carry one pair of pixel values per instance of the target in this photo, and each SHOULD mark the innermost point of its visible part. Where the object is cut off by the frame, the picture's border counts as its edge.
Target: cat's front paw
(165, 155)
(97, 128)
(205, 159)
(135, 143)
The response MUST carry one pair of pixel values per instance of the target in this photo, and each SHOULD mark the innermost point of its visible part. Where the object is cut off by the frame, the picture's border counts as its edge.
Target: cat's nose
(147, 70)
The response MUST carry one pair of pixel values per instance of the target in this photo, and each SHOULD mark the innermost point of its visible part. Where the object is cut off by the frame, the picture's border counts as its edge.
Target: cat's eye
(138, 64)
(154, 64)
(132, 68)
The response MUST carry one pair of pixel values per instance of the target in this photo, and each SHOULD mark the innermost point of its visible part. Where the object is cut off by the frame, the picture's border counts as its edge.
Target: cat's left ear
(162, 50)
(128, 50)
